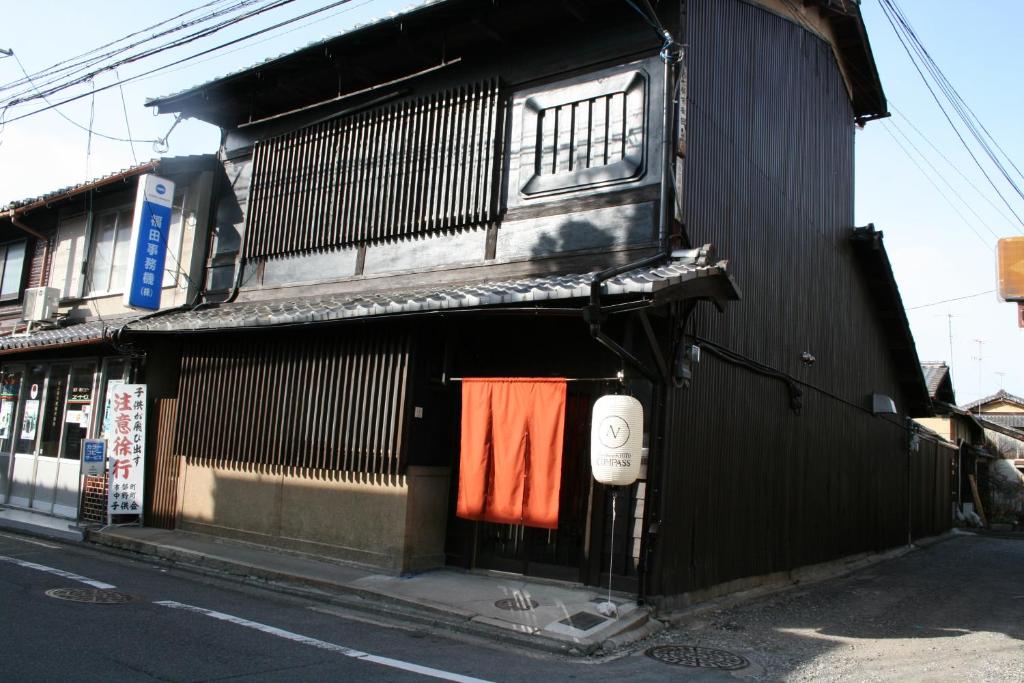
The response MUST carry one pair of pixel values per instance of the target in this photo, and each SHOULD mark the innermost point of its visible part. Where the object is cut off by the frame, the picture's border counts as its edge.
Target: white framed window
(108, 253)
(12, 267)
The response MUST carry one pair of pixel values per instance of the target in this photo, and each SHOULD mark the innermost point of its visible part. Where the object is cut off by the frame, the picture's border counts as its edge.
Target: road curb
(368, 601)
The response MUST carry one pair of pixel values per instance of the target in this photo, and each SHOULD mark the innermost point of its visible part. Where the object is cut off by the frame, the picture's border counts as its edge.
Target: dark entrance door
(550, 553)
(578, 550)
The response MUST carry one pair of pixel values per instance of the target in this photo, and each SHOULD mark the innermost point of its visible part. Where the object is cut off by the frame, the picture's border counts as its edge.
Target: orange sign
(1011, 268)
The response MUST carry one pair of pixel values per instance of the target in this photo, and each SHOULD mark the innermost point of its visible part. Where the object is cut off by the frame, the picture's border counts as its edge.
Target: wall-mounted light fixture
(882, 405)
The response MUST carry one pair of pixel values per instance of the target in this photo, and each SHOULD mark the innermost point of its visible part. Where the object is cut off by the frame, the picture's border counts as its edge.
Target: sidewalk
(561, 618)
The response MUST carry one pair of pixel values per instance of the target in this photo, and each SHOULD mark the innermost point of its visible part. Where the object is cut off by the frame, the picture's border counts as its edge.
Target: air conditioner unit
(40, 303)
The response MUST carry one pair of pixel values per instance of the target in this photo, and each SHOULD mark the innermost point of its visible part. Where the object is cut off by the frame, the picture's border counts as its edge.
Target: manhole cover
(517, 604)
(96, 596)
(702, 657)
(583, 621)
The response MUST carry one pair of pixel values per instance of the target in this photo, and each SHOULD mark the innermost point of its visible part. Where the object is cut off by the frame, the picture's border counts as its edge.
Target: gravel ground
(953, 610)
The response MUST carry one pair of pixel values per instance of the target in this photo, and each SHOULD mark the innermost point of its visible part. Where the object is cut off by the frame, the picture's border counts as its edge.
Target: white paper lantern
(616, 440)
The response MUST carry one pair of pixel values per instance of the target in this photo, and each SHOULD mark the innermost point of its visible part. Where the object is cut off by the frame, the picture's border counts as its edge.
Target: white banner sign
(126, 440)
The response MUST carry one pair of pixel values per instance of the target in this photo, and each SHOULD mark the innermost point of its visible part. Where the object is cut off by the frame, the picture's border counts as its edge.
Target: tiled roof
(536, 290)
(934, 373)
(998, 396)
(393, 16)
(1015, 421)
(139, 168)
(89, 331)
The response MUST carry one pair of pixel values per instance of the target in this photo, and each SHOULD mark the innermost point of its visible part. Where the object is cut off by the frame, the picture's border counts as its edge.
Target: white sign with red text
(126, 448)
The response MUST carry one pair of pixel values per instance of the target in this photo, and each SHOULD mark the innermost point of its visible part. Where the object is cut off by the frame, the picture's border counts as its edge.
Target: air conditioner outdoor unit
(40, 303)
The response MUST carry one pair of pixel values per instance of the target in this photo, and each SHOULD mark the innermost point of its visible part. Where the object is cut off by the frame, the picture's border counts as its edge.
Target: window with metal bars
(322, 402)
(416, 166)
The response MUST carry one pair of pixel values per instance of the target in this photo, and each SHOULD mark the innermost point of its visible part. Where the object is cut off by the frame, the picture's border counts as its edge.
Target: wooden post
(977, 499)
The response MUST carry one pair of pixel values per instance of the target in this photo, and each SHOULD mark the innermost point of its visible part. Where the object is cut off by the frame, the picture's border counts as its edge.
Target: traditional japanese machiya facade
(56, 365)
(530, 190)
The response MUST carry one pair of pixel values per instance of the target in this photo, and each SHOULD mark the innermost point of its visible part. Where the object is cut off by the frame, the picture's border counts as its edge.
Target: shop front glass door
(78, 417)
(26, 434)
(10, 388)
(50, 427)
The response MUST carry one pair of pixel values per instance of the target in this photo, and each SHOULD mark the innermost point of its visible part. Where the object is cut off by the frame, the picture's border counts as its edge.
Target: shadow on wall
(250, 467)
(565, 235)
(397, 527)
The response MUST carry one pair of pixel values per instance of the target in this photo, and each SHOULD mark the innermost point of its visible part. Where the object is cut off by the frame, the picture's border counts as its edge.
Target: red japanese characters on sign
(126, 438)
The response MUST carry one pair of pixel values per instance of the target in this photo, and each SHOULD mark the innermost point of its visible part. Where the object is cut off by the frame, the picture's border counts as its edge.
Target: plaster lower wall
(396, 524)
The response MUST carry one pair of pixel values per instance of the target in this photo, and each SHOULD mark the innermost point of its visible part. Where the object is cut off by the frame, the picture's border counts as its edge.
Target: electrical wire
(947, 301)
(54, 67)
(202, 33)
(939, 190)
(907, 38)
(995, 207)
(127, 124)
(891, 123)
(88, 128)
(188, 58)
(261, 42)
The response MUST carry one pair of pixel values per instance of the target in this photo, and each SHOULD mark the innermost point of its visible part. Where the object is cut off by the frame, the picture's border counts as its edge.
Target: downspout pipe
(592, 313)
(13, 217)
(594, 316)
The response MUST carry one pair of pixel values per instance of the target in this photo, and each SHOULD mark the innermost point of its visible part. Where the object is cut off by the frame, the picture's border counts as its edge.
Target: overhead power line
(947, 301)
(70, 62)
(922, 61)
(205, 32)
(188, 58)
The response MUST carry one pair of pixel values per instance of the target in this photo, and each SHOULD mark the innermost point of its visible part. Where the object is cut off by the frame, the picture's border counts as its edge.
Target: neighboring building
(1002, 414)
(963, 429)
(428, 198)
(76, 241)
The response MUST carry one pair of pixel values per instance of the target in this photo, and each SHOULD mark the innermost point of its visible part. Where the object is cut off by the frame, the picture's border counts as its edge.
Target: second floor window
(12, 265)
(108, 257)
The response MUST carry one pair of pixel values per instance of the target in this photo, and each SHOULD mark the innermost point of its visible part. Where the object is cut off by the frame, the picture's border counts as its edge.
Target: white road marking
(29, 540)
(59, 572)
(323, 645)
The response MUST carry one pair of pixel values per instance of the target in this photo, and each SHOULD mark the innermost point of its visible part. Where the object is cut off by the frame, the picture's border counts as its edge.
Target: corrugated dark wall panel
(404, 169)
(751, 487)
(162, 504)
(330, 402)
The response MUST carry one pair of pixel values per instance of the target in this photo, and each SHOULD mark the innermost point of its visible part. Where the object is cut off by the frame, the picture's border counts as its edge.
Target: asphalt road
(951, 611)
(182, 626)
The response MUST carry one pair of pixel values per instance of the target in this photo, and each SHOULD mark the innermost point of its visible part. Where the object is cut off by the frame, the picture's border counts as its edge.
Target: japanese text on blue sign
(149, 242)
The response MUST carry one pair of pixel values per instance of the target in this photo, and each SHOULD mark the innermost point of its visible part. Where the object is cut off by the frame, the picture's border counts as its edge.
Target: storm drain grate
(95, 596)
(701, 657)
(583, 621)
(517, 604)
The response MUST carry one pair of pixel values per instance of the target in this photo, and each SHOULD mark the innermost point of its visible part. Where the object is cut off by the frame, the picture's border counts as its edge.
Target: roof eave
(868, 246)
(852, 43)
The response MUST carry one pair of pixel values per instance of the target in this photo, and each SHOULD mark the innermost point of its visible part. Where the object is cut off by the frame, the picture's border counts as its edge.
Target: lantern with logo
(616, 449)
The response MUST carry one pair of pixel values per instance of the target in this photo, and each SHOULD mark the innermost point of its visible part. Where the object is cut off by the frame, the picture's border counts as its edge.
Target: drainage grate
(95, 596)
(702, 657)
(517, 604)
(583, 621)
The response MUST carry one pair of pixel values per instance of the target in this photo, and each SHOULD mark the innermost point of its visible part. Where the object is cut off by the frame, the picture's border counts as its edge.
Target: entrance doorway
(578, 550)
(46, 410)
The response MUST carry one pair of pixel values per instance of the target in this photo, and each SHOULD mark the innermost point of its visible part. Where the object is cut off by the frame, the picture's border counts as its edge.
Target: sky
(939, 230)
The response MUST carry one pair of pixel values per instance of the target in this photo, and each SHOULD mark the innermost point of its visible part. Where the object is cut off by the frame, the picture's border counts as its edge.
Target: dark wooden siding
(404, 169)
(162, 502)
(751, 488)
(39, 267)
(316, 401)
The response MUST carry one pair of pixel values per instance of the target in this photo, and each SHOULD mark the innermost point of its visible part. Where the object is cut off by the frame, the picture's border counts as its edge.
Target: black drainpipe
(593, 314)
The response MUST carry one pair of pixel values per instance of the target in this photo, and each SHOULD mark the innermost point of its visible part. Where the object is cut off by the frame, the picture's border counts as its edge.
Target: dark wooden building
(549, 189)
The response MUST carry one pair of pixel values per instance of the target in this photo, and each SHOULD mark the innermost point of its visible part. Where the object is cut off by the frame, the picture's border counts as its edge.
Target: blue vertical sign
(150, 230)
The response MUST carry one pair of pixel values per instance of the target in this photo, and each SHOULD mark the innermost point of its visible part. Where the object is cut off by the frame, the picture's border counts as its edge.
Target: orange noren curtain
(510, 469)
